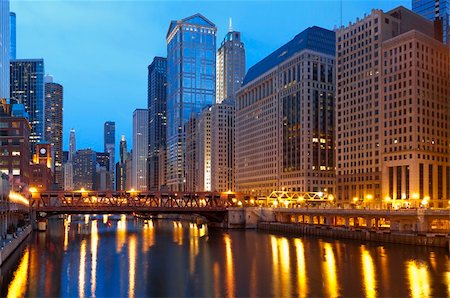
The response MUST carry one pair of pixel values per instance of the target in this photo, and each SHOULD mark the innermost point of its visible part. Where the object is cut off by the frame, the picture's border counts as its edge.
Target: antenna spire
(230, 28)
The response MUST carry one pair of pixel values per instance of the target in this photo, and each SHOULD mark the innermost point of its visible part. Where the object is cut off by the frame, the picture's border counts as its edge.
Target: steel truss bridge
(210, 205)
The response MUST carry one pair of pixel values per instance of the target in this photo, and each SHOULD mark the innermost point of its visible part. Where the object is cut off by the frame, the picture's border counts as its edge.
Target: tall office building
(72, 145)
(284, 118)
(12, 24)
(84, 168)
(121, 170)
(190, 154)
(392, 111)
(68, 176)
(140, 150)
(4, 49)
(110, 147)
(222, 146)
(54, 125)
(230, 70)
(203, 144)
(435, 10)
(157, 125)
(191, 71)
(27, 87)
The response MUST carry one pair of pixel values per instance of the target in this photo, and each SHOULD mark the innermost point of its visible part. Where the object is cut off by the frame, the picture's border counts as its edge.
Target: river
(120, 256)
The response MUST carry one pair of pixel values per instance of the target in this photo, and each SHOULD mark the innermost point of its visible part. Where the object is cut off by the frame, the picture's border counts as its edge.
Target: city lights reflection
(275, 266)
(178, 232)
(418, 279)
(283, 245)
(132, 266)
(229, 266)
(18, 286)
(368, 273)
(105, 218)
(82, 270)
(302, 283)
(193, 246)
(329, 270)
(67, 222)
(148, 232)
(121, 232)
(94, 246)
(217, 280)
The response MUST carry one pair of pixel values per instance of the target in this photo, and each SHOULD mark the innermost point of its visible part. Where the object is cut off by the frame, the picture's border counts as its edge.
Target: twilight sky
(99, 50)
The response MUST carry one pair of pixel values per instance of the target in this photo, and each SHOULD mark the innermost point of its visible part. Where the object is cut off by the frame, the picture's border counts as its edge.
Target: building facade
(27, 88)
(12, 24)
(110, 148)
(284, 118)
(222, 146)
(14, 147)
(388, 84)
(191, 71)
(157, 125)
(435, 10)
(230, 70)
(84, 167)
(4, 49)
(140, 150)
(190, 155)
(72, 145)
(54, 125)
(203, 146)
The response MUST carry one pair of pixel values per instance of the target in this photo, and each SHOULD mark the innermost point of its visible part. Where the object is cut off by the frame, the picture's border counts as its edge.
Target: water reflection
(329, 270)
(121, 232)
(124, 257)
(229, 266)
(368, 273)
(17, 287)
(418, 279)
(94, 246)
(132, 266)
(82, 274)
(302, 284)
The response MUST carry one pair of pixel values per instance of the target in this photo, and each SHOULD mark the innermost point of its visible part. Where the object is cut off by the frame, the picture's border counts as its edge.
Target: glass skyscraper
(110, 147)
(4, 49)
(434, 10)
(191, 71)
(27, 87)
(12, 24)
(157, 82)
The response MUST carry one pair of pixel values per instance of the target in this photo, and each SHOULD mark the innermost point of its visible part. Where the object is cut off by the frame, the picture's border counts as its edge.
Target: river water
(119, 256)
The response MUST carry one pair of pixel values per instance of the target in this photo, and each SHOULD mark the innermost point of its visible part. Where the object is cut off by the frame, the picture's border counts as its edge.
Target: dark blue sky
(99, 50)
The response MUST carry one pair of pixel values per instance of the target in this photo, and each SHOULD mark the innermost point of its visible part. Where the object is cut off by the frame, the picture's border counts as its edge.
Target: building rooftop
(314, 38)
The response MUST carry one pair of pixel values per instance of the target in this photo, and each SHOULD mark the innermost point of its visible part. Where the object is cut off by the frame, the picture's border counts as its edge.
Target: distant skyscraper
(110, 146)
(54, 124)
(222, 146)
(230, 66)
(191, 71)
(140, 149)
(12, 24)
(435, 10)
(68, 175)
(284, 118)
(157, 83)
(84, 168)
(27, 87)
(4, 49)
(121, 170)
(72, 145)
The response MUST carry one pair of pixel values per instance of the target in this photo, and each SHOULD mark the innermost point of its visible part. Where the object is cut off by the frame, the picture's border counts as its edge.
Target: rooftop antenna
(230, 28)
(341, 13)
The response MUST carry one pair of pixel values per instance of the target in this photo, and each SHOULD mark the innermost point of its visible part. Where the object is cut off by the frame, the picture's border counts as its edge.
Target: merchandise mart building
(284, 119)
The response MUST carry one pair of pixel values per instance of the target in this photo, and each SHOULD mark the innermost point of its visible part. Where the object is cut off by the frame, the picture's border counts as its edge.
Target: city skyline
(128, 80)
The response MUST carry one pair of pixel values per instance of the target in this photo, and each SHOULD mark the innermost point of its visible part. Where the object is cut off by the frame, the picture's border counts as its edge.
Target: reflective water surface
(113, 256)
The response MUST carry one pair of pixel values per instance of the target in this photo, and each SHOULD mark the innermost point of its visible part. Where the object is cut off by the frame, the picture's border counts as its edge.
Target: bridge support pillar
(422, 222)
(347, 221)
(33, 220)
(311, 219)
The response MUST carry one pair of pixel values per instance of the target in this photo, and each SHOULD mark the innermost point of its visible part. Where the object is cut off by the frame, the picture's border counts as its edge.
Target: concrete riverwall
(356, 234)
(10, 247)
